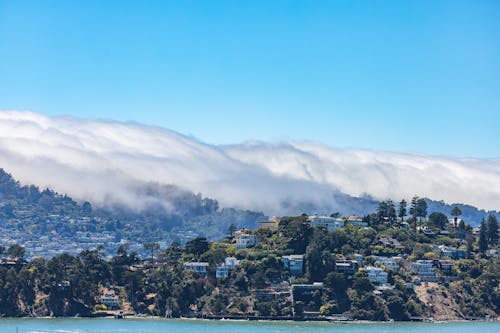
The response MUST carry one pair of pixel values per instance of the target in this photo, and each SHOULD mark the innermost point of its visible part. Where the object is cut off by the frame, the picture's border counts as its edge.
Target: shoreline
(262, 319)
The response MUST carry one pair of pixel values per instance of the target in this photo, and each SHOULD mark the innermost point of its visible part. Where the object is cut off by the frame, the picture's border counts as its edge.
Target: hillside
(48, 223)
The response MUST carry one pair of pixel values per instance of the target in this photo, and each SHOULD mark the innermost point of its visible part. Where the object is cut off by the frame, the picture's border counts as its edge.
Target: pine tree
(402, 210)
(413, 207)
(483, 237)
(421, 208)
(492, 227)
(391, 211)
(382, 211)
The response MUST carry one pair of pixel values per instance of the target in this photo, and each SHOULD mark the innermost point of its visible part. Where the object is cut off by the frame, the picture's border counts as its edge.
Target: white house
(198, 267)
(245, 240)
(390, 263)
(111, 301)
(376, 275)
(424, 268)
(223, 269)
(327, 222)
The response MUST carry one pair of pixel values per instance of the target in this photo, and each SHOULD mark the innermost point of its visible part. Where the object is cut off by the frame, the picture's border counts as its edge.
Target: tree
(391, 211)
(153, 246)
(461, 229)
(231, 230)
(421, 208)
(197, 246)
(16, 251)
(438, 219)
(86, 208)
(382, 211)
(455, 212)
(483, 237)
(402, 210)
(492, 226)
(413, 207)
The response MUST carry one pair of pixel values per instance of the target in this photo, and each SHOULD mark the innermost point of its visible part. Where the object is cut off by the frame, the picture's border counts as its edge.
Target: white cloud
(106, 161)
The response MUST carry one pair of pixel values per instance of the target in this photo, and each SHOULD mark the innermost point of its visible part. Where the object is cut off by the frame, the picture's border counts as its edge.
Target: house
(389, 242)
(272, 224)
(356, 221)
(198, 267)
(294, 263)
(391, 263)
(376, 275)
(244, 240)
(446, 266)
(492, 253)
(110, 300)
(346, 266)
(309, 294)
(359, 258)
(452, 252)
(425, 270)
(327, 222)
(222, 270)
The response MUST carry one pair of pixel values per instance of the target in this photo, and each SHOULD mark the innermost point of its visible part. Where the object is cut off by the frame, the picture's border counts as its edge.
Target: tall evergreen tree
(402, 210)
(483, 237)
(390, 211)
(421, 208)
(382, 211)
(492, 230)
(413, 207)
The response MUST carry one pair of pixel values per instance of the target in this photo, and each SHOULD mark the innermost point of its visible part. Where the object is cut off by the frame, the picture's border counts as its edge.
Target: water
(199, 326)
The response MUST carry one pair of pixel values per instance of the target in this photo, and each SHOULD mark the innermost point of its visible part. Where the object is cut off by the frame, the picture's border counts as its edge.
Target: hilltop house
(327, 222)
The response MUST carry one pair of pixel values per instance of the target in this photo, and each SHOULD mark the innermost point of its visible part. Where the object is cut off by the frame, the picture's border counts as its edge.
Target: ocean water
(203, 326)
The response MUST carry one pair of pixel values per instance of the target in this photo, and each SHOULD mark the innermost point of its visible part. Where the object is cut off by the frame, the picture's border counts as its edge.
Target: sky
(404, 76)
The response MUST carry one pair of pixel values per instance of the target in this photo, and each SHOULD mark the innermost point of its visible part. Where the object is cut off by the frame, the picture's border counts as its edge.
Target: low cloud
(106, 162)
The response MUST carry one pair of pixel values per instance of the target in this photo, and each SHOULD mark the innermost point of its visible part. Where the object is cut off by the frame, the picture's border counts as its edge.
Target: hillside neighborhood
(383, 266)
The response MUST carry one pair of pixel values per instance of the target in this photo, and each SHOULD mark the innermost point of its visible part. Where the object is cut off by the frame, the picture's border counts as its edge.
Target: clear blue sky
(411, 76)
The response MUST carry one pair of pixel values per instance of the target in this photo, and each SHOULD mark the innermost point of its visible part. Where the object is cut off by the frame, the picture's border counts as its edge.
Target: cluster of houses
(377, 268)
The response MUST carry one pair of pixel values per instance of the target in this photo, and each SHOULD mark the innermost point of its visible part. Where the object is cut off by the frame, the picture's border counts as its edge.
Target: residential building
(391, 263)
(198, 267)
(389, 242)
(272, 224)
(304, 292)
(294, 263)
(424, 268)
(222, 270)
(110, 300)
(244, 240)
(359, 258)
(327, 222)
(357, 221)
(376, 275)
(346, 266)
(446, 266)
(452, 252)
